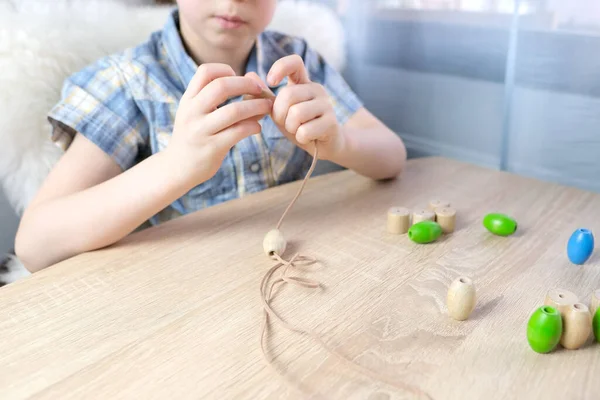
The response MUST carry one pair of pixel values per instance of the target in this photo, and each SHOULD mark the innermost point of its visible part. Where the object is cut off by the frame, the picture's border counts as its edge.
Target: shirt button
(255, 167)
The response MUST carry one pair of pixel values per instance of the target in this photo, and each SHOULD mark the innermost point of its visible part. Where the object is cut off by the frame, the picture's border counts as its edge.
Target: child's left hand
(303, 110)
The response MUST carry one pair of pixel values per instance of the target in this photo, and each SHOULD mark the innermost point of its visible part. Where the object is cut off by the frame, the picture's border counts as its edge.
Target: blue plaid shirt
(126, 105)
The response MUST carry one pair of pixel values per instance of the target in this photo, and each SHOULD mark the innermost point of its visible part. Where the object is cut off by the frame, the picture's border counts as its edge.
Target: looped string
(266, 292)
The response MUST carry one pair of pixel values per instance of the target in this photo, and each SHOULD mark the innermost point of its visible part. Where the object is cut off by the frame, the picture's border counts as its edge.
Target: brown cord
(308, 174)
(266, 293)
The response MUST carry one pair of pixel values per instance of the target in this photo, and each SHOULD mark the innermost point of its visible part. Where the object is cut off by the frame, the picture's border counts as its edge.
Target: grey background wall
(8, 225)
(485, 84)
(553, 135)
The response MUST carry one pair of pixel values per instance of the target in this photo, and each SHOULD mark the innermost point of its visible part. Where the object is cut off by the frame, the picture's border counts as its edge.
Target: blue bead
(580, 246)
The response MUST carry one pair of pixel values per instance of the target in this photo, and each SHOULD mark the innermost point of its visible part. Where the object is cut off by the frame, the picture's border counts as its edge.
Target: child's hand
(303, 110)
(203, 134)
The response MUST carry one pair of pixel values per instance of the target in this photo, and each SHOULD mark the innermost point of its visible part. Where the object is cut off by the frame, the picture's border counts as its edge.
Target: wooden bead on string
(446, 217)
(461, 298)
(560, 299)
(274, 246)
(274, 243)
(422, 215)
(437, 203)
(577, 326)
(398, 220)
(595, 303)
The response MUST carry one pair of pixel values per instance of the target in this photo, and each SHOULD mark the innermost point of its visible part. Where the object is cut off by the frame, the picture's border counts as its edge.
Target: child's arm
(97, 206)
(87, 202)
(370, 148)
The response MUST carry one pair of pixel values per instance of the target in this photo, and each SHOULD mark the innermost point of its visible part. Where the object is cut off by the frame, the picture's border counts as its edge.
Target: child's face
(226, 23)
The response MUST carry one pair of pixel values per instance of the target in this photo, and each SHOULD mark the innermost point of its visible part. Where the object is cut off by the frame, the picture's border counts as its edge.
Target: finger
(266, 92)
(289, 96)
(236, 132)
(205, 74)
(219, 90)
(315, 129)
(254, 76)
(258, 117)
(303, 112)
(290, 66)
(233, 113)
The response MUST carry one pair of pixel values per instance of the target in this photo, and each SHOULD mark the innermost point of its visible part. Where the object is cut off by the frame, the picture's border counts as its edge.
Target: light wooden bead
(595, 303)
(422, 215)
(398, 220)
(274, 243)
(461, 298)
(446, 217)
(560, 299)
(577, 326)
(437, 203)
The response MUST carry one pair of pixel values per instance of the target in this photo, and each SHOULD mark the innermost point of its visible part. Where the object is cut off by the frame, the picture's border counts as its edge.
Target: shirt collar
(178, 57)
(263, 55)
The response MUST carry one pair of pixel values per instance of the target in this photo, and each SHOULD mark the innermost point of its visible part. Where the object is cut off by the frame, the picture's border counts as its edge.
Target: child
(177, 124)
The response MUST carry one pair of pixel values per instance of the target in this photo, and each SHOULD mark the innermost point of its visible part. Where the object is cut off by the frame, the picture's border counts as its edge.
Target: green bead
(544, 329)
(425, 232)
(500, 224)
(596, 325)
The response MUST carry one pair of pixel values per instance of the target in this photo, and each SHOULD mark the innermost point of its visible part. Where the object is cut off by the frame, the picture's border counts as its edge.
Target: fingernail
(270, 79)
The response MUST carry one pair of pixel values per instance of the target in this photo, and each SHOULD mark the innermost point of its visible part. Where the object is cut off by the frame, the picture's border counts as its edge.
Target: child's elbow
(21, 249)
(397, 161)
(400, 163)
(25, 250)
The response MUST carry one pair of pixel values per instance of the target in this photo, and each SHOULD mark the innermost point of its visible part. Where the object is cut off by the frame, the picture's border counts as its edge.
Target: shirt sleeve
(345, 101)
(97, 103)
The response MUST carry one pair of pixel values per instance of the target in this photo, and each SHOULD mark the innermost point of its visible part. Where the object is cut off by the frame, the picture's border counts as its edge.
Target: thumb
(267, 93)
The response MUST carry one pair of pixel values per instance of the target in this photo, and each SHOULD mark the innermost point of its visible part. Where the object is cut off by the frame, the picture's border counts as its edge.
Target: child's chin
(231, 39)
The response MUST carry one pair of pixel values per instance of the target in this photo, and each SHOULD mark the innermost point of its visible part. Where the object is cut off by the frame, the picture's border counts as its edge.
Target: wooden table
(174, 312)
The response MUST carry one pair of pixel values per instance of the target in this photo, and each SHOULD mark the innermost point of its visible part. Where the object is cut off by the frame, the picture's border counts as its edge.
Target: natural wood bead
(577, 326)
(461, 298)
(560, 299)
(422, 215)
(446, 217)
(437, 203)
(398, 220)
(274, 243)
(595, 303)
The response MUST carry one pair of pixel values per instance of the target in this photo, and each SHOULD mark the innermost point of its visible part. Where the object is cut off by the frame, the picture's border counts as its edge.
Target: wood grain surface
(174, 311)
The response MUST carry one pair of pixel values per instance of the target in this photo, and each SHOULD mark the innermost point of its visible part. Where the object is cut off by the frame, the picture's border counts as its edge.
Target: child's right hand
(203, 134)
